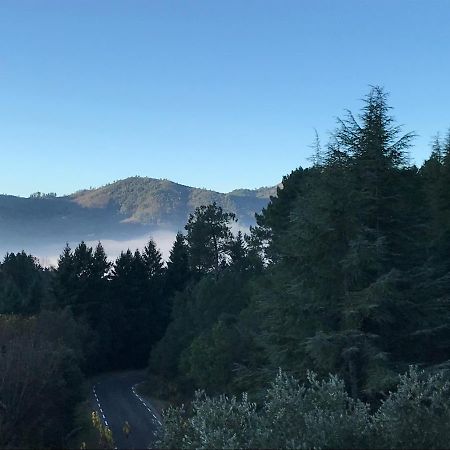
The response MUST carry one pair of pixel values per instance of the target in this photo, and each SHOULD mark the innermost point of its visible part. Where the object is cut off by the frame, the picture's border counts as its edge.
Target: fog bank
(48, 254)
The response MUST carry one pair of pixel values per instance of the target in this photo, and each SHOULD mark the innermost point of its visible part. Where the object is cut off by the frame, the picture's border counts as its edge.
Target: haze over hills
(121, 214)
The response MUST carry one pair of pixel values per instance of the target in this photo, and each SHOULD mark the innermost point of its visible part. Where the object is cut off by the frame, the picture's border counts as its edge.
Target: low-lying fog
(48, 254)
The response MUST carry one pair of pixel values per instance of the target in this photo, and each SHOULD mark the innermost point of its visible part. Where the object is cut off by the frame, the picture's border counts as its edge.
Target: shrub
(318, 414)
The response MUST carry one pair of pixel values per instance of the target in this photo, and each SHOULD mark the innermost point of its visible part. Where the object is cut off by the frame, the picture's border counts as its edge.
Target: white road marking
(133, 389)
(100, 407)
(149, 409)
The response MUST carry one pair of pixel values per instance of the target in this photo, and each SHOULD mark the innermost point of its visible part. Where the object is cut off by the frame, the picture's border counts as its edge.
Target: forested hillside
(123, 210)
(346, 272)
(163, 202)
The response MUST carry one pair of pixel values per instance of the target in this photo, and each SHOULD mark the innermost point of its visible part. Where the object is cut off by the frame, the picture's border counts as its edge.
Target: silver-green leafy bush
(218, 422)
(318, 414)
(417, 415)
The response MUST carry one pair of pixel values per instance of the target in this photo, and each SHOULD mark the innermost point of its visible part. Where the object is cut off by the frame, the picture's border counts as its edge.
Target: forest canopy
(347, 272)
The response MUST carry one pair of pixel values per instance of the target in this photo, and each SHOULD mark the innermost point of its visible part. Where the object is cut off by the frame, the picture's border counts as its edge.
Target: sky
(213, 94)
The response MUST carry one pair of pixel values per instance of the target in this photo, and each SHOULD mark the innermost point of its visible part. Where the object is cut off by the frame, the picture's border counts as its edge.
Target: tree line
(89, 315)
(347, 272)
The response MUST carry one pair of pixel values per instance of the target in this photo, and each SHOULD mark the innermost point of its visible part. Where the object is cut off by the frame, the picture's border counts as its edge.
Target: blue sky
(215, 94)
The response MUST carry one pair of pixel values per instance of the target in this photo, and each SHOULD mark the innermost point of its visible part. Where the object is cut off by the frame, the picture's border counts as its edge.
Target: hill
(151, 201)
(123, 210)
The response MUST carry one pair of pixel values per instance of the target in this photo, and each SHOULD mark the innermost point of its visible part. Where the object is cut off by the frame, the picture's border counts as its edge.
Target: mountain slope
(163, 202)
(121, 210)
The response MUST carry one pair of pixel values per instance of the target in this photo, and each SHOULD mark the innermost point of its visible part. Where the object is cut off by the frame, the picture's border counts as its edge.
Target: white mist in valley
(48, 254)
(163, 239)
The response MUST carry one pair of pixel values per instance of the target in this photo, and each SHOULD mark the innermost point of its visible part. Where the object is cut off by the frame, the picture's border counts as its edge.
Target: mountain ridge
(121, 210)
(143, 198)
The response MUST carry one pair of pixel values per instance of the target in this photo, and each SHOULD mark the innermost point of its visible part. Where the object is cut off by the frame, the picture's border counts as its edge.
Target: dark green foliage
(346, 272)
(128, 317)
(41, 379)
(202, 315)
(80, 283)
(275, 218)
(205, 315)
(345, 239)
(23, 284)
(81, 280)
(220, 348)
(124, 304)
(209, 237)
(138, 311)
(153, 262)
(178, 271)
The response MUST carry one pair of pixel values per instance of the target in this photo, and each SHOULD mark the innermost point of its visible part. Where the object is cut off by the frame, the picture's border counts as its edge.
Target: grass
(84, 431)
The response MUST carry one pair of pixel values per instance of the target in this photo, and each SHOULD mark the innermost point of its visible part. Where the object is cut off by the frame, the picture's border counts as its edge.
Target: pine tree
(333, 301)
(65, 278)
(178, 273)
(153, 261)
(238, 252)
(22, 288)
(208, 238)
(131, 312)
(100, 264)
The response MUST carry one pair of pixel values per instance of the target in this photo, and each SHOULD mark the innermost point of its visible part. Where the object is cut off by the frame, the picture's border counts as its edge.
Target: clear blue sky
(217, 94)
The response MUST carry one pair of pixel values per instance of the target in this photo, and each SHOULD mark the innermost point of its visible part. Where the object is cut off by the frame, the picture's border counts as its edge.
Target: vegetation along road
(132, 420)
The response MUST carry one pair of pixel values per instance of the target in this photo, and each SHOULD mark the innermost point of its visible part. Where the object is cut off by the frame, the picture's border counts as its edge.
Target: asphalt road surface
(117, 401)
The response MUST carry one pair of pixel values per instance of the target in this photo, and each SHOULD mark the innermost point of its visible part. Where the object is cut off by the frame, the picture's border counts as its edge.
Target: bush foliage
(316, 414)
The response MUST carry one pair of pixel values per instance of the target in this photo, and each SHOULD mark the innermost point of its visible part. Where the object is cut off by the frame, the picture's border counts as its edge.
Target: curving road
(115, 398)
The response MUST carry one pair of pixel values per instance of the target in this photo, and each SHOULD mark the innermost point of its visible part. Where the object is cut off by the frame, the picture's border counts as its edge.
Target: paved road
(117, 401)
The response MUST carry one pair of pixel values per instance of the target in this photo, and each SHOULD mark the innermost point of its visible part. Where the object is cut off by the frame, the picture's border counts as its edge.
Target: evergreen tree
(81, 281)
(153, 261)
(178, 272)
(274, 220)
(65, 278)
(131, 326)
(334, 300)
(208, 238)
(22, 284)
(442, 207)
(430, 175)
(238, 252)
(156, 297)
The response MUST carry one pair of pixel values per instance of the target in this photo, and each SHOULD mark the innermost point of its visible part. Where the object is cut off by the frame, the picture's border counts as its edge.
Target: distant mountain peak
(123, 208)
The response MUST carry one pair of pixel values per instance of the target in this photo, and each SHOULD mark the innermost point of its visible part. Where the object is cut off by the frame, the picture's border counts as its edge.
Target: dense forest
(347, 273)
